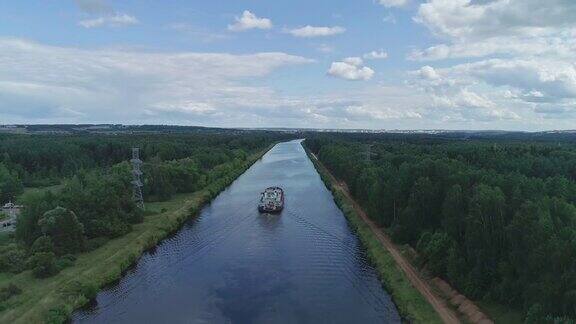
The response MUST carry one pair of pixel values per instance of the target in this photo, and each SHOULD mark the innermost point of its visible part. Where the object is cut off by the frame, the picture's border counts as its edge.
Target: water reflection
(269, 222)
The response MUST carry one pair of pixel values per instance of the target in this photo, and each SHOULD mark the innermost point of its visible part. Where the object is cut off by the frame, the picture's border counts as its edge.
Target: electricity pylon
(136, 181)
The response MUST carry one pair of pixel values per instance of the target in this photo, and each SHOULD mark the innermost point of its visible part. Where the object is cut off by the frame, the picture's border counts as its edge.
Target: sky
(374, 64)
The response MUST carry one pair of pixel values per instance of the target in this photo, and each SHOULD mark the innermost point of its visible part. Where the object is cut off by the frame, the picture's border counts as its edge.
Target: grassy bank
(53, 299)
(411, 304)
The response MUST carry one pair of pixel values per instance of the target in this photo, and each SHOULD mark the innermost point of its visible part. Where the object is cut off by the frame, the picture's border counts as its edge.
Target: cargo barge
(272, 200)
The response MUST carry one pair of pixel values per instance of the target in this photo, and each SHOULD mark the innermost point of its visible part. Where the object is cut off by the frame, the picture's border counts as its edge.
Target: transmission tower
(368, 155)
(136, 181)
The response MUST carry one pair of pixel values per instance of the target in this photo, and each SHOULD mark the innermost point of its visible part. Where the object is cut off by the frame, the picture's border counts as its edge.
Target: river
(233, 265)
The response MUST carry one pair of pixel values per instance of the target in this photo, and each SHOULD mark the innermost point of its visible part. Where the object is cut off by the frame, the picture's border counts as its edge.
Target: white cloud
(325, 48)
(200, 33)
(428, 73)
(186, 107)
(53, 84)
(389, 18)
(101, 14)
(116, 20)
(382, 113)
(311, 31)
(393, 3)
(515, 27)
(485, 91)
(351, 69)
(64, 84)
(356, 61)
(549, 78)
(375, 55)
(481, 19)
(561, 45)
(515, 58)
(463, 104)
(249, 21)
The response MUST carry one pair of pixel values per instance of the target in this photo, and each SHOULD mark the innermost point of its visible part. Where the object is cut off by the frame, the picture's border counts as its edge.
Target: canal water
(234, 265)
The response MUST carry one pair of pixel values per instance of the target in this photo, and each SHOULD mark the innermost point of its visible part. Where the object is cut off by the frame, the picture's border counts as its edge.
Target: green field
(53, 299)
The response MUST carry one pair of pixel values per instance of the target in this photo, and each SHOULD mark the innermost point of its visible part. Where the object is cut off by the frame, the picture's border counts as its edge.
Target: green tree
(485, 237)
(65, 230)
(37, 203)
(10, 184)
(435, 248)
(454, 212)
(495, 215)
(102, 201)
(158, 178)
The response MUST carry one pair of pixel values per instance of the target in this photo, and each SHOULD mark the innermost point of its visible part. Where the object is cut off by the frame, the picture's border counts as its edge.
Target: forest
(495, 216)
(77, 194)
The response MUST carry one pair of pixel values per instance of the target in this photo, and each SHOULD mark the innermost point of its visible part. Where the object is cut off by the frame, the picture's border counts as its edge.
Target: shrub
(43, 264)
(75, 288)
(89, 291)
(13, 259)
(63, 263)
(42, 244)
(9, 291)
(56, 316)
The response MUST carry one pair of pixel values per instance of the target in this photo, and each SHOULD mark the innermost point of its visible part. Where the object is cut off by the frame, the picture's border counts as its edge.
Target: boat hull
(263, 209)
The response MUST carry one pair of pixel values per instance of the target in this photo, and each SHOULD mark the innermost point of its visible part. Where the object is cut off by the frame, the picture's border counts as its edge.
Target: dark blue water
(234, 265)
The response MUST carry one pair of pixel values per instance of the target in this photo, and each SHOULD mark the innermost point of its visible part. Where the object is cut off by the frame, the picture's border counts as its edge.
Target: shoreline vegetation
(53, 299)
(412, 306)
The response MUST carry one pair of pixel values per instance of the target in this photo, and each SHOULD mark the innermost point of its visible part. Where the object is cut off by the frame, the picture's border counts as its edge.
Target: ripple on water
(233, 265)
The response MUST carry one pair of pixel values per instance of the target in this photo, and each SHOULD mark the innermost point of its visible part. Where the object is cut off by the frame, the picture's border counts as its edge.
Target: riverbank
(412, 305)
(53, 299)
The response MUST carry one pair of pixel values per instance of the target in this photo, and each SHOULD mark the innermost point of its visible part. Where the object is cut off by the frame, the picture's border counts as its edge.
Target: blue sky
(379, 64)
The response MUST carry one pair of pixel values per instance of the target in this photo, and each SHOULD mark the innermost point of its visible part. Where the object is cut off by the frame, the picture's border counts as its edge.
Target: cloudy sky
(379, 64)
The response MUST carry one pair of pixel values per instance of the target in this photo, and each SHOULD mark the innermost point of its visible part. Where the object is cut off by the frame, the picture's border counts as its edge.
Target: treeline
(41, 160)
(497, 219)
(93, 202)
